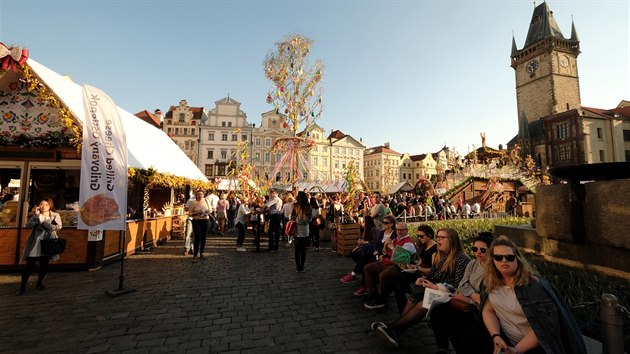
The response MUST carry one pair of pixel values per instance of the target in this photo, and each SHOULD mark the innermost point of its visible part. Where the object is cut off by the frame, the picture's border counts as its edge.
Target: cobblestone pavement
(230, 302)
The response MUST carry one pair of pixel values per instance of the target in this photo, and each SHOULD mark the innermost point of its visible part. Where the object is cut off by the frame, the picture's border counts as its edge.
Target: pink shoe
(348, 278)
(362, 291)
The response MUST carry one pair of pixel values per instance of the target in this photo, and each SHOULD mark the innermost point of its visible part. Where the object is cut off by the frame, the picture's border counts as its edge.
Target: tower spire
(514, 49)
(574, 35)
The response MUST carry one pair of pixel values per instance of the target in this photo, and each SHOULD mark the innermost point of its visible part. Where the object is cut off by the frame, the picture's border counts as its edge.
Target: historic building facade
(381, 168)
(182, 124)
(553, 125)
(222, 133)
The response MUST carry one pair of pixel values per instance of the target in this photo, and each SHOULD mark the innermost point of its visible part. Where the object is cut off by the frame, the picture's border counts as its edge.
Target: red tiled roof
(622, 111)
(336, 134)
(197, 111)
(382, 150)
(418, 157)
(149, 118)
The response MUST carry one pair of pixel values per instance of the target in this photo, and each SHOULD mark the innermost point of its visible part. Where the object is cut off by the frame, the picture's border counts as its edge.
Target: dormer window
(273, 122)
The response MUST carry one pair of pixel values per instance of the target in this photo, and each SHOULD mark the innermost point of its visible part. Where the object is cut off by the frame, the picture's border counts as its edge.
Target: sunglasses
(387, 222)
(482, 250)
(508, 257)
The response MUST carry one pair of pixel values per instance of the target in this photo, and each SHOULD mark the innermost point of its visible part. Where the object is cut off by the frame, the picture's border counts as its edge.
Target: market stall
(41, 115)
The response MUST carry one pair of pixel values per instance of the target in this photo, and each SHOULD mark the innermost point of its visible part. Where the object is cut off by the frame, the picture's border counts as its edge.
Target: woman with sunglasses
(449, 265)
(522, 311)
(451, 319)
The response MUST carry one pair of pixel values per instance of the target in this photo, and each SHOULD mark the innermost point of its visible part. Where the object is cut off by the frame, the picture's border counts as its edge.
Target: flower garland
(154, 179)
(76, 138)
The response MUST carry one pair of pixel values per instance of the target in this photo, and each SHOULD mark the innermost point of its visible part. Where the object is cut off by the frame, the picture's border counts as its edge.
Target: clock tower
(546, 68)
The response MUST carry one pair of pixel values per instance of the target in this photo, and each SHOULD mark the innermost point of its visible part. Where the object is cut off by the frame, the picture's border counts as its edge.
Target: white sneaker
(241, 249)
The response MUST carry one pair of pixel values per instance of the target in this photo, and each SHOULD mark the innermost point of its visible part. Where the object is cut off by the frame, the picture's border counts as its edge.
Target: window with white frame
(224, 137)
(210, 154)
(315, 161)
(223, 154)
(234, 137)
(257, 156)
(267, 142)
(267, 157)
(211, 136)
(182, 117)
(257, 141)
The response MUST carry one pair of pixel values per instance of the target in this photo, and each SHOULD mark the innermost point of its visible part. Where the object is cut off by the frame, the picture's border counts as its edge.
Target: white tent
(401, 187)
(229, 184)
(147, 146)
(337, 186)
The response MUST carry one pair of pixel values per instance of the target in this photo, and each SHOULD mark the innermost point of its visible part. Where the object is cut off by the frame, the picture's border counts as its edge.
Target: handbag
(332, 226)
(52, 246)
(401, 255)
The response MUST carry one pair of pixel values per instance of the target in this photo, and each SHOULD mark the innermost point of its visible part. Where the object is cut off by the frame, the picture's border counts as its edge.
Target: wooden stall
(347, 237)
(39, 159)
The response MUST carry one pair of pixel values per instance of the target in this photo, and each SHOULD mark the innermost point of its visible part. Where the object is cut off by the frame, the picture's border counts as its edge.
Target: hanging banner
(103, 193)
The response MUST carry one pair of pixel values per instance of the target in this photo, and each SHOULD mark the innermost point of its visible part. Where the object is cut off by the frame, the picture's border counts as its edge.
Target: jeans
(256, 231)
(200, 228)
(300, 252)
(274, 231)
(240, 227)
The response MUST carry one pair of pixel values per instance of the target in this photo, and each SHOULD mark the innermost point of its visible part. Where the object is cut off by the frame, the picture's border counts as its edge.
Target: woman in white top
(241, 224)
(45, 224)
(199, 209)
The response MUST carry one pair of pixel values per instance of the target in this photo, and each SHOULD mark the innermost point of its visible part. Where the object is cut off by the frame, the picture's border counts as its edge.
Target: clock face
(532, 66)
(564, 61)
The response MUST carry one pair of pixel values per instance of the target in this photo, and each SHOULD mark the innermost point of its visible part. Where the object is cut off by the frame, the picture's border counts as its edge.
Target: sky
(418, 74)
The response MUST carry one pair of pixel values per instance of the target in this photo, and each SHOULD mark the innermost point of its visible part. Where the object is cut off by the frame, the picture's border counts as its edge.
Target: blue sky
(415, 73)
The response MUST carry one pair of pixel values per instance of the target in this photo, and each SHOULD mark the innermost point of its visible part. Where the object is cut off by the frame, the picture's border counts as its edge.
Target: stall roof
(147, 146)
(401, 187)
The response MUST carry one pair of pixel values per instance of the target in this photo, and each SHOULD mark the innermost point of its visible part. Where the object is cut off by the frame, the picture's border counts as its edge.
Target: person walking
(241, 224)
(274, 206)
(221, 210)
(199, 211)
(301, 214)
(257, 220)
(45, 224)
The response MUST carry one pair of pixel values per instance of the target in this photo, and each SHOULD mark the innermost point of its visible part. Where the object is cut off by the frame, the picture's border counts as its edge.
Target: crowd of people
(496, 303)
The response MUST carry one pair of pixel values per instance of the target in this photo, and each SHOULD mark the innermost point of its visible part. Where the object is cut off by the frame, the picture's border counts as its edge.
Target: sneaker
(388, 336)
(361, 291)
(372, 305)
(348, 278)
(376, 325)
(241, 249)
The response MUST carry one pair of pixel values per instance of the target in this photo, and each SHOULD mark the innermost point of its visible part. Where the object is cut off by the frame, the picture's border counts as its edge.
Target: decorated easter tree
(296, 93)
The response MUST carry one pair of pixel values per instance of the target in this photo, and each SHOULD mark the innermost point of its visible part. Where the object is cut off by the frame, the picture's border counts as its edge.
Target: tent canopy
(147, 146)
(337, 186)
(401, 187)
(231, 184)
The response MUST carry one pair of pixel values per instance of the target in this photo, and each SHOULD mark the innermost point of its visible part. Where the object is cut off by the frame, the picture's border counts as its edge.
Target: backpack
(290, 228)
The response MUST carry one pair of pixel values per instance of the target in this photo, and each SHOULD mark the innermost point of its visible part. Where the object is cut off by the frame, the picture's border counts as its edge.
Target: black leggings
(300, 252)
(28, 270)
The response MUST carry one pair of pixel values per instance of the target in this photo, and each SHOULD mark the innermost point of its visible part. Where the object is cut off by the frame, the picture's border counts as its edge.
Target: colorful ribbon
(11, 57)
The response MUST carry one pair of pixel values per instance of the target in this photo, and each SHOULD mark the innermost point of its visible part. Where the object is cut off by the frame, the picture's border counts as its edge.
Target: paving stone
(228, 303)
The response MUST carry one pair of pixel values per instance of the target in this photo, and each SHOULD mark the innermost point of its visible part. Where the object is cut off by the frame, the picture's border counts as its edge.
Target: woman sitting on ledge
(522, 311)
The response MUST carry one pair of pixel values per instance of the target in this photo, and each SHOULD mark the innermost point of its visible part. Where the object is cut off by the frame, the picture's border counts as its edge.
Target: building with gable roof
(381, 168)
(181, 123)
(273, 126)
(224, 129)
(343, 149)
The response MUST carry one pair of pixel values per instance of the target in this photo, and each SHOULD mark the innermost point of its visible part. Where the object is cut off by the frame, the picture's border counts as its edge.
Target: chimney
(158, 114)
(386, 145)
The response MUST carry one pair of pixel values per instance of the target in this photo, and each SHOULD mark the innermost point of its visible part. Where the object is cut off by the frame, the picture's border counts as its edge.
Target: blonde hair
(524, 271)
(451, 257)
